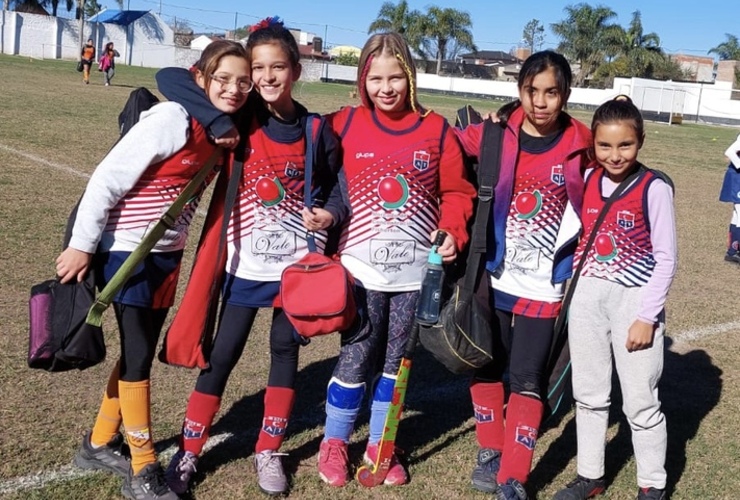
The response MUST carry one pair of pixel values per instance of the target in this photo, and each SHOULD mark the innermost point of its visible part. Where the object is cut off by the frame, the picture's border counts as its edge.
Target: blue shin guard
(343, 402)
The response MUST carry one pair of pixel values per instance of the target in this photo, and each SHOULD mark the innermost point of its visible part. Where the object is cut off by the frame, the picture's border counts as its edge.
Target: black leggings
(139, 329)
(524, 348)
(234, 326)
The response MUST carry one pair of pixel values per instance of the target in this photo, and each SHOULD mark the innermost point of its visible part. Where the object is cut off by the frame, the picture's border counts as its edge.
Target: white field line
(37, 159)
(707, 331)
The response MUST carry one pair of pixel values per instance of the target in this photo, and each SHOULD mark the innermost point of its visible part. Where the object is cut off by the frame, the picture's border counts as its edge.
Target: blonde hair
(391, 44)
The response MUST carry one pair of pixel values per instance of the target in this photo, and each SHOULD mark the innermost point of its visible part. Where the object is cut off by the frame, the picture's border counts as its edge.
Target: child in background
(535, 229)
(406, 180)
(274, 166)
(617, 310)
(127, 193)
(87, 56)
(108, 62)
(731, 193)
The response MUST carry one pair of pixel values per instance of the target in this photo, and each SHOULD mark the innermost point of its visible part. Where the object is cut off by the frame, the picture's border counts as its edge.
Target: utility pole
(81, 7)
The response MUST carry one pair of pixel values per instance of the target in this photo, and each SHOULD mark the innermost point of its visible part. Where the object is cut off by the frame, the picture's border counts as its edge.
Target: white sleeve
(732, 151)
(160, 132)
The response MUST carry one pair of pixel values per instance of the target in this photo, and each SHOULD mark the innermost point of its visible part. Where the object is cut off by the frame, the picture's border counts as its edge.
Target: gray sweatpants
(601, 313)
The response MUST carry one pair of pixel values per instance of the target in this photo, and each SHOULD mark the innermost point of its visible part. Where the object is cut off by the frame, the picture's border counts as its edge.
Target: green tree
(729, 50)
(587, 37)
(444, 30)
(533, 35)
(400, 19)
(347, 59)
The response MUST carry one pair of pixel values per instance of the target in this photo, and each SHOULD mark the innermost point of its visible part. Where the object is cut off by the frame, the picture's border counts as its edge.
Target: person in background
(535, 229)
(731, 193)
(108, 62)
(87, 56)
(617, 315)
(127, 193)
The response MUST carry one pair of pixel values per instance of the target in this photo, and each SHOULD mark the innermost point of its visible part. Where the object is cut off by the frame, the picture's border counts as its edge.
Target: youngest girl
(618, 304)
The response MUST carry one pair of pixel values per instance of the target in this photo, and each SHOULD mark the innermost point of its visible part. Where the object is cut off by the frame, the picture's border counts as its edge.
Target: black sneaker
(148, 484)
(735, 258)
(511, 490)
(113, 457)
(484, 474)
(581, 488)
(650, 494)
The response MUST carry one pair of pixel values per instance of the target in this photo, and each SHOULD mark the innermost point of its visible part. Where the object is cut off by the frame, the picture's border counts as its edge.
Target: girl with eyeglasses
(267, 233)
(126, 195)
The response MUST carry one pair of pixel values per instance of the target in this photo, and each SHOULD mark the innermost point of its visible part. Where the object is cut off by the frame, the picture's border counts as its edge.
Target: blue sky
(684, 26)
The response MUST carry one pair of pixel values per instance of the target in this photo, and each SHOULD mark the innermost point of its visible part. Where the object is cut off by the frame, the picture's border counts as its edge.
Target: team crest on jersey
(626, 219)
(421, 160)
(192, 429)
(274, 426)
(291, 171)
(526, 436)
(483, 415)
(556, 175)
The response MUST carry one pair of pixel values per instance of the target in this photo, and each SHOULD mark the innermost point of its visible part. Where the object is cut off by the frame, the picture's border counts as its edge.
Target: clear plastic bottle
(430, 296)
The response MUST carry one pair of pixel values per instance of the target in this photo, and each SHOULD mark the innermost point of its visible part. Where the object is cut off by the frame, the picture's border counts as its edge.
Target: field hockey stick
(374, 475)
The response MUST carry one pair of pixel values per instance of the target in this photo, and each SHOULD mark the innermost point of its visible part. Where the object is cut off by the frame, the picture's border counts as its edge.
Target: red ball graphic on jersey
(394, 191)
(269, 191)
(527, 205)
(606, 247)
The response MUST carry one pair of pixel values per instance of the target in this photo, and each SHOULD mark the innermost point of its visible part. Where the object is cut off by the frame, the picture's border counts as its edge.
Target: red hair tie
(268, 22)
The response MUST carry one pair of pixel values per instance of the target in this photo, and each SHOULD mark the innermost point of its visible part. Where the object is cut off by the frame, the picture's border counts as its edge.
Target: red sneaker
(333, 462)
(397, 475)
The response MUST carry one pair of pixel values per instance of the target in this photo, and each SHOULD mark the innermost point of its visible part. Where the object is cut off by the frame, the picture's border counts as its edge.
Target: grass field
(54, 130)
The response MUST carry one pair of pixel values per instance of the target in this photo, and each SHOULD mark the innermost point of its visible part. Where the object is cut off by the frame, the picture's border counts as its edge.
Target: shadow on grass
(431, 388)
(690, 388)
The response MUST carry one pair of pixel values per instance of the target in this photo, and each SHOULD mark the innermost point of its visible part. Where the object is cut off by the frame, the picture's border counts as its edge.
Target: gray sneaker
(112, 456)
(180, 471)
(148, 484)
(270, 475)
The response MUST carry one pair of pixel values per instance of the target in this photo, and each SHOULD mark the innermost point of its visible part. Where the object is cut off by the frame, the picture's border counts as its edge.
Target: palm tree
(400, 19)
(447, 29)
(728, 50)
(587, 37)
(642, 50)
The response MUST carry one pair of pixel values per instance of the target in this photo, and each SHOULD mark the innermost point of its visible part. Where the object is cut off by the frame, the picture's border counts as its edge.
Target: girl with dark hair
(617, 313)
(128, 192)
(267, 233)
(535, 229)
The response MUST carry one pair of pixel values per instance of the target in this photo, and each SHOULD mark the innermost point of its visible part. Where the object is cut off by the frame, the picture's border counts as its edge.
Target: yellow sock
(108, 422)
(135, 409)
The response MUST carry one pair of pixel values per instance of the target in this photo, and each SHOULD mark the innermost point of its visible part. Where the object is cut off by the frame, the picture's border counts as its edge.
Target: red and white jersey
(155, 191)
(622, 251)
(535, 214)
(393, 178)
(266, 232)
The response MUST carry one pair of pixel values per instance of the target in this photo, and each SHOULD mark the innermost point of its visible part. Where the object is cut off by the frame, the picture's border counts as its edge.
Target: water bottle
(430, 296)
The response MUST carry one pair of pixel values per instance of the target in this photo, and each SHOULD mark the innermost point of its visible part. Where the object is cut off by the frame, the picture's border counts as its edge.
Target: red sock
(488, 405)
(278, 405)
(202, 408)
(523, 416)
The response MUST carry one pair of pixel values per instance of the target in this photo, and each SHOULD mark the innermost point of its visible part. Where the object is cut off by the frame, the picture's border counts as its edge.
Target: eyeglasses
(243, 86)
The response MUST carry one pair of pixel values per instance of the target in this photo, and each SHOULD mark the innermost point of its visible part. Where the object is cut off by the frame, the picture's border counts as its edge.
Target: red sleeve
(470, 138)
(456, 193)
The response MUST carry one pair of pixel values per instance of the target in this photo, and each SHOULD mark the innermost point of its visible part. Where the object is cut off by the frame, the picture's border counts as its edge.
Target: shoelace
(187, 464)
(272, 462)
(156, 483)
(336, 450)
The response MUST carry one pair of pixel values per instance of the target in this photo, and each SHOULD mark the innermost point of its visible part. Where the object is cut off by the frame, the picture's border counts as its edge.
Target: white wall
(147, 42)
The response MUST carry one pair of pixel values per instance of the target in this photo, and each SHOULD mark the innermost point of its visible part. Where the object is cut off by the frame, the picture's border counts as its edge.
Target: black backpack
(140, 99)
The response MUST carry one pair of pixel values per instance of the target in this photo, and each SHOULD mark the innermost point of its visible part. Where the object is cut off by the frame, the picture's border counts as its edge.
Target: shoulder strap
(662, 176)
(308, 171)
(166, 221)
(489, 166)
(560, 322)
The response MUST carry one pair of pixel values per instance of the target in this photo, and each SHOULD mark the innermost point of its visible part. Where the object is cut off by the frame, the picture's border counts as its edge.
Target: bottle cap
(434, 257)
